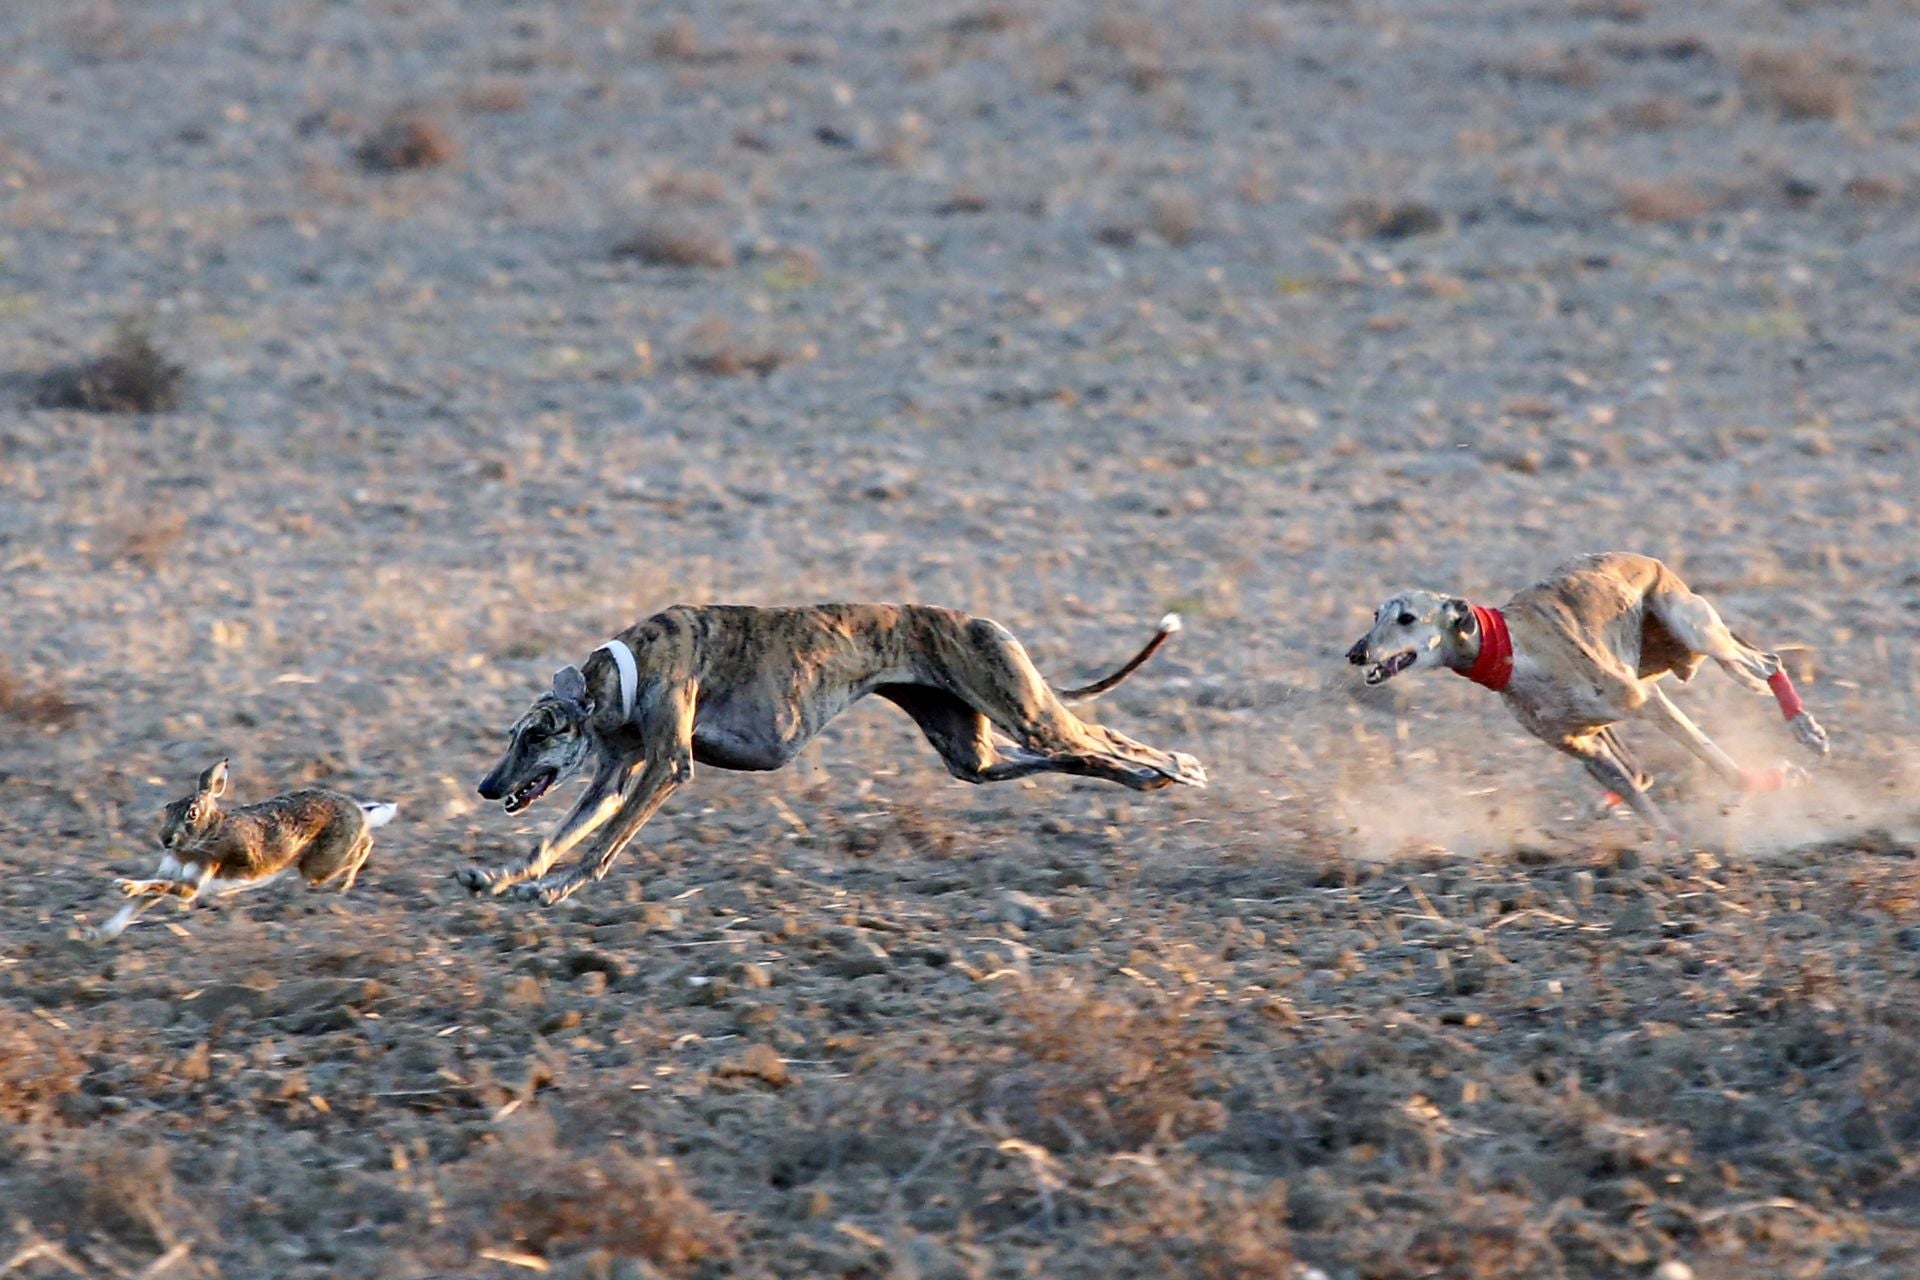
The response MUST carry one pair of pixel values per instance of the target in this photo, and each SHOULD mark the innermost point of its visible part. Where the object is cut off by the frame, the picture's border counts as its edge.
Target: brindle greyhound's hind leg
(1003, 685)
(1694, 623)
(962, 735)
(667, 728)
(598, 803)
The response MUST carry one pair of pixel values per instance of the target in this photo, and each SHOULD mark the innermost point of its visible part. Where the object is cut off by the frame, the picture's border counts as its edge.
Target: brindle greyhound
(737, 687)
(1583, 650)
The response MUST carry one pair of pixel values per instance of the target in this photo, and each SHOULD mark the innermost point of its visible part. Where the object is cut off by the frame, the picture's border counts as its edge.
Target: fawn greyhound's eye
(1405, 619)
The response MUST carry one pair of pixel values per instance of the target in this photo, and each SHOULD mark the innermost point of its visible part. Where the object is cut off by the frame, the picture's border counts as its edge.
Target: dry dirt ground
(506, 323)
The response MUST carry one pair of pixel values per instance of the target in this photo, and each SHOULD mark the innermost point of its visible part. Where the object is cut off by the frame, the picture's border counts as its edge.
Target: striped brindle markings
(745, 688)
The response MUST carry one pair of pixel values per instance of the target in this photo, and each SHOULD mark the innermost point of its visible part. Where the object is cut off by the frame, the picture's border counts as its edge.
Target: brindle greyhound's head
(546, 746)
(191, 816)
(1415, 629)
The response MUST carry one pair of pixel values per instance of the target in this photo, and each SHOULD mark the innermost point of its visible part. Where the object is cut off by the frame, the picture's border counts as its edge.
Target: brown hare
(209, 850)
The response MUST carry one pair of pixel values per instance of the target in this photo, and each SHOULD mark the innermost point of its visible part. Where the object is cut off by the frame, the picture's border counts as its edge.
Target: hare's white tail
(378, 815)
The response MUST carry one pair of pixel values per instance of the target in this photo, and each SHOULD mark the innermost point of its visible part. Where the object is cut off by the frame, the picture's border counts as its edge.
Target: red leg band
(1612, 799)
(1783, 694)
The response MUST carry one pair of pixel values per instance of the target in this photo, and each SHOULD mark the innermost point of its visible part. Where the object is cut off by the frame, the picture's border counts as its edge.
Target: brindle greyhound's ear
(213, 782)
(571, 688)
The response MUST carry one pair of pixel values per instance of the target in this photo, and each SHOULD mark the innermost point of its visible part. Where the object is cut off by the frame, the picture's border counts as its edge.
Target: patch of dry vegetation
(1088, 1071)
(675, 240)
(1664, 200)
(1373, 219)
(131, 375)
(714, 347)
(45, 705)
(1807, 83)
(556, 1203)
(408, 139)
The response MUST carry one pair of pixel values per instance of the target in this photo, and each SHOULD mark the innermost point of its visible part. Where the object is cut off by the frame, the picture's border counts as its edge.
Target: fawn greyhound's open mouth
(1387, 668)
(529, 791)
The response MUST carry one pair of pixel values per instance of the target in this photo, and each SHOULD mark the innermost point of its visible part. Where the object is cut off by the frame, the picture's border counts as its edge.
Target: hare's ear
(571, 688)
(214, 781)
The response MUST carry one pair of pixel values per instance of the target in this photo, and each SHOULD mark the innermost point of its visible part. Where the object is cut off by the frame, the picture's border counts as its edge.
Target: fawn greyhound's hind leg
(1695, 624)
(1616, 776)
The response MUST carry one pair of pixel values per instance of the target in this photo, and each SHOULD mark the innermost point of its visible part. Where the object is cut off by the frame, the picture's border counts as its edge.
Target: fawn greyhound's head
(190, 816)
(545, 747)
(1413, 630)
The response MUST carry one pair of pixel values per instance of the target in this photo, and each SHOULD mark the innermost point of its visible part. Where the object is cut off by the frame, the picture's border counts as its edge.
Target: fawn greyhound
(738, 687)
(210, 850)
(1583, 650)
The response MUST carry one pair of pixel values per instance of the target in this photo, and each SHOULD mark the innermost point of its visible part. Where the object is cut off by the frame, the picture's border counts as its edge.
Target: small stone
(761, 1062)
(1023, 909)
(1672, 1269)
(521, 992)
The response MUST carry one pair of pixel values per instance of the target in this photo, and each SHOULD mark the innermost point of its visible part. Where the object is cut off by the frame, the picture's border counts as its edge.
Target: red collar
(1494, 667)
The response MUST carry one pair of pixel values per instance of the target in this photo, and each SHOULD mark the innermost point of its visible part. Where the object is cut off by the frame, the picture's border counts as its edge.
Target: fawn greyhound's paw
(1807, 731)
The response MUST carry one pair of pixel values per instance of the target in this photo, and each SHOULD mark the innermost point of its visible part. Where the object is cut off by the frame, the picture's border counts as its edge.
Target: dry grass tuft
(1664, 112)
(670, 241)
(38, 1067)
(44, 704)
(990, 20)
(407, 140)
(557, 1203)
(130, 376)
(144, 540)
(963, 198)
(1368, 219)
(1664, 200)
(1175, 217)
(679, 41)
(1554, 65)
(117, 1185)
(1094, 1071)
(1801, 84)
(494, 97)
(714, 348)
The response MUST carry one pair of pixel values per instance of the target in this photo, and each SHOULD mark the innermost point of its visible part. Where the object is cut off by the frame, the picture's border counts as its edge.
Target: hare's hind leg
(332, 860)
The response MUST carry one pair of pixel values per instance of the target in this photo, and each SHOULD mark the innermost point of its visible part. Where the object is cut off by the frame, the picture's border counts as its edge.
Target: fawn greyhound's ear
(213, 782)
(1457, 616)
(570, 687)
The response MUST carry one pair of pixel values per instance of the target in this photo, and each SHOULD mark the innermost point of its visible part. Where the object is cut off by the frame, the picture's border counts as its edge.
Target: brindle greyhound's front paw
(1191, 772)
(543, 893)
(479, 880)
(1808, 732)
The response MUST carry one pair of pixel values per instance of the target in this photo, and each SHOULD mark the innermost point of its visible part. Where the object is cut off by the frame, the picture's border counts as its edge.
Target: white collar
(629, 673)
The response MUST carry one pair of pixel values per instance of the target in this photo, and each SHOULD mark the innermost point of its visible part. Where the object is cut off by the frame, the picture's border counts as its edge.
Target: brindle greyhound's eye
(1405, 619)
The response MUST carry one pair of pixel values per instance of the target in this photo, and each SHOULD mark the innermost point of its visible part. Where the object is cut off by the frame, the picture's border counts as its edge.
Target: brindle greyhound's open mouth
(1386, 669)
(529, 791)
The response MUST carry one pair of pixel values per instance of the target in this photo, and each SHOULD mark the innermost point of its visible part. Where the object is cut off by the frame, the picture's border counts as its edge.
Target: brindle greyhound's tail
(1168, 625)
